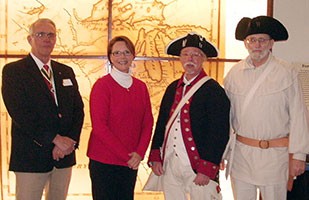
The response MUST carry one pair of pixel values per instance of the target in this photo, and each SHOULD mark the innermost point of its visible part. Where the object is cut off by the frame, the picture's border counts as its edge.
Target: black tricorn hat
(191, 40)
(261, 24)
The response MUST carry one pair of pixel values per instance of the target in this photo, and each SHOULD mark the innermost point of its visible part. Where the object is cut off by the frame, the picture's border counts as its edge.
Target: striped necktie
(47, 74)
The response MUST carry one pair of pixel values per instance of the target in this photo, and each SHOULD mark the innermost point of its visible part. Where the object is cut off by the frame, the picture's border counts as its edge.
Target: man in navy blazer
(47, 116)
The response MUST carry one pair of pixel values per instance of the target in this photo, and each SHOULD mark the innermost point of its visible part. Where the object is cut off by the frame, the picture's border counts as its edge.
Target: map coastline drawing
(83, 29)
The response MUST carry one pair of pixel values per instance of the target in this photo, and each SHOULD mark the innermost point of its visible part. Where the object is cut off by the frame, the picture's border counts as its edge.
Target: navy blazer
(36, 119)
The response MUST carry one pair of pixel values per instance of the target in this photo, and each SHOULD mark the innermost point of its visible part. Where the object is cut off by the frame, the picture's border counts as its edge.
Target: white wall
(294, 14)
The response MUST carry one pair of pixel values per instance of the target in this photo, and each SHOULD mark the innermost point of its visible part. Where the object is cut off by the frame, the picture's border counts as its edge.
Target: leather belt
(264, 144)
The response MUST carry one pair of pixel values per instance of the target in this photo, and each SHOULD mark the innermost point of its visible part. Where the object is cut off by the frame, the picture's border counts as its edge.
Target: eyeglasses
(42, 35)
(261, 41)
(119, 53)
(191, 55)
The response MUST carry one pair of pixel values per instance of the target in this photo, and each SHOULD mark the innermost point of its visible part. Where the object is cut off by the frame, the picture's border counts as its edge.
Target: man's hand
(134, 161)
(201, 179)
(65, 144)
(57, 153)
(222, 165)
(297, 167)
(157, 168)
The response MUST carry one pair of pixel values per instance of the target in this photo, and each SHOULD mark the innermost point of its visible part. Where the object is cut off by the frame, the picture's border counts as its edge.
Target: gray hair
(31, 28)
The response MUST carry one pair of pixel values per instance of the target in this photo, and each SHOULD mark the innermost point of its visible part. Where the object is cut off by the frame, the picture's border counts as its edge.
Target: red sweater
(121, 120)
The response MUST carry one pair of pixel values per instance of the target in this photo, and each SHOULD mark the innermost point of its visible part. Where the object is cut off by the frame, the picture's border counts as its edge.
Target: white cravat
(123, 79)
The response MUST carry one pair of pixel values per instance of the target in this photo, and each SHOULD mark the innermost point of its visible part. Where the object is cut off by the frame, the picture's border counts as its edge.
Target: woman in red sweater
(122, 123)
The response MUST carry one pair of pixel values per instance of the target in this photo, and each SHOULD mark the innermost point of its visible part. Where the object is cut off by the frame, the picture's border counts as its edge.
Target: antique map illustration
(83, 31)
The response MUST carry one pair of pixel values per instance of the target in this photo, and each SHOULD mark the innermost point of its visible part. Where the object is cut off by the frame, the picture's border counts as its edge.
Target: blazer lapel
(34, 71)
(57, 73)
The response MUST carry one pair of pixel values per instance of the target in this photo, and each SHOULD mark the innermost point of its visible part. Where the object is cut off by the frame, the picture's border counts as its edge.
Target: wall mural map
(82, 30)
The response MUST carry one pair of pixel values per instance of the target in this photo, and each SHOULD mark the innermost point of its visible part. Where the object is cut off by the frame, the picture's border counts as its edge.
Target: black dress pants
(112, 182)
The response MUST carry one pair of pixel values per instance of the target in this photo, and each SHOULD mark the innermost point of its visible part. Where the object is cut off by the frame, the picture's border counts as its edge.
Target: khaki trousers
(247, 191)
(178, 183)
(30, 186)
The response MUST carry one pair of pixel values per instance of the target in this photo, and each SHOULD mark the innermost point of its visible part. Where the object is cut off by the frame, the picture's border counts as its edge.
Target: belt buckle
(264, 144)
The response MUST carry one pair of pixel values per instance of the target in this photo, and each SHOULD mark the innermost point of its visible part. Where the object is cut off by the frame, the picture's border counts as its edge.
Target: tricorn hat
(191, 40)
(261, 24)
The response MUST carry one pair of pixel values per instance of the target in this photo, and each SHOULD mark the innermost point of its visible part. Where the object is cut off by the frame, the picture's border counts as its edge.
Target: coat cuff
(208, 168)
(154, 156)
(299, 156)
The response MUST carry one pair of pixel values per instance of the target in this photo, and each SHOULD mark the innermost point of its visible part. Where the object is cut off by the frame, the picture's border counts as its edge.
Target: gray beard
(260, 56)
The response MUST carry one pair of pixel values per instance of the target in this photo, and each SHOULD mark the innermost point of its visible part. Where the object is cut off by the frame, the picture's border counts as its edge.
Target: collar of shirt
(183, 81)
(249, 65)
(186, 82)
(123, 79)
(40, 63)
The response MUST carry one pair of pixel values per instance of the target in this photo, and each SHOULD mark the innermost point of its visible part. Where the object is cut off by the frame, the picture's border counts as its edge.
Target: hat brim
(191, 40)
(261, 25)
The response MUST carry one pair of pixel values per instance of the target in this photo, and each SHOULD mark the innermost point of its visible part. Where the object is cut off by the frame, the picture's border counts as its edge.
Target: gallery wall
(295, 16)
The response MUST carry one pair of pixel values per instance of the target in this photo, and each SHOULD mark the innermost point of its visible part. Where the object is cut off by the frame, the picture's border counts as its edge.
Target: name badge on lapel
(67, 82)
